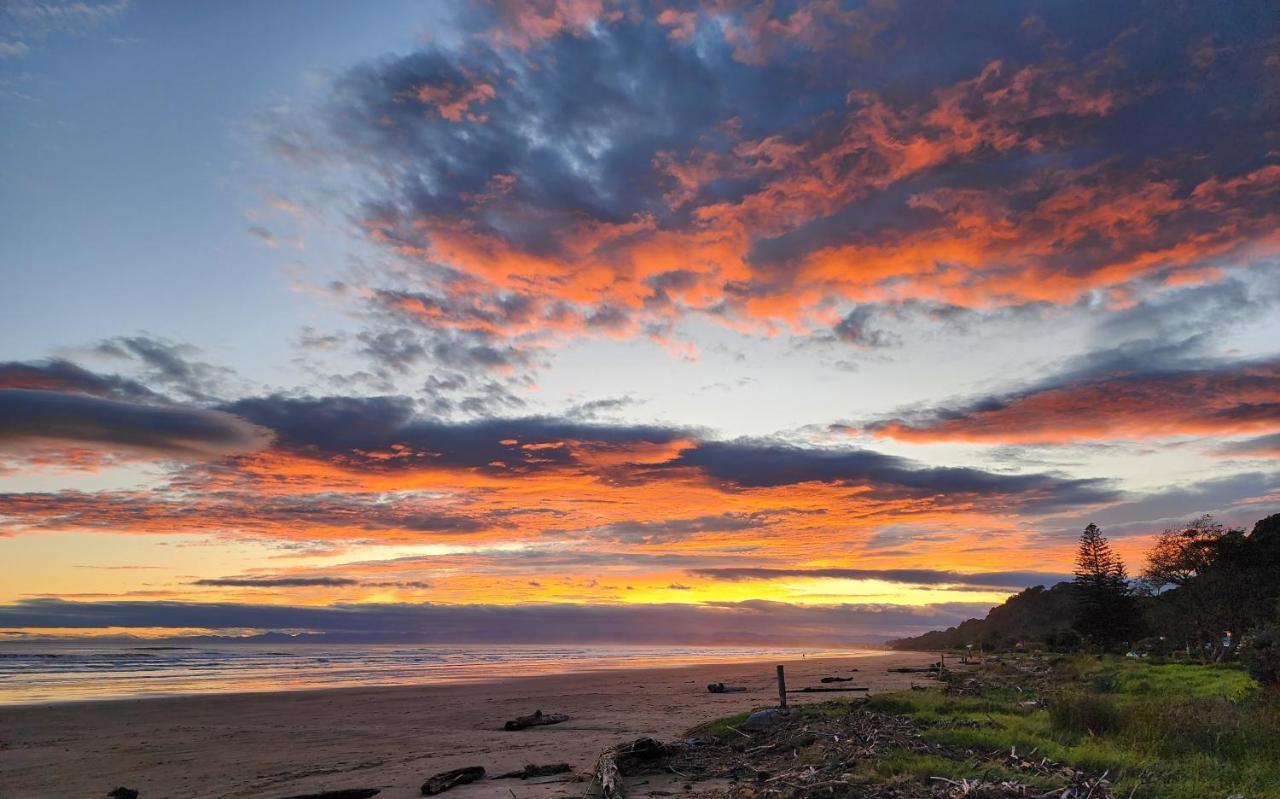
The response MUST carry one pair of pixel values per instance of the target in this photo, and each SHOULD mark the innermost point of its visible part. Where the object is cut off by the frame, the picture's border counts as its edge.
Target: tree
(1105, 609)
(1179, 556)
(1207, 577)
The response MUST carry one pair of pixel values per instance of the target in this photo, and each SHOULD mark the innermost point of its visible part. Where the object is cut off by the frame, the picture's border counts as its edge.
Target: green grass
(1160, 730)
(1136, 678)
(1173, 731)
(719, 728)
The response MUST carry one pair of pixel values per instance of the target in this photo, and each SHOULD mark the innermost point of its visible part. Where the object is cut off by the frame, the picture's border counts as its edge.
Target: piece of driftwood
(450, 779)
(536, 771)
(343, 793)
(836, 679)
(721, 688)
(123, 793)
(609, 776)
(811, 690)
(611, 765)
(536, 719)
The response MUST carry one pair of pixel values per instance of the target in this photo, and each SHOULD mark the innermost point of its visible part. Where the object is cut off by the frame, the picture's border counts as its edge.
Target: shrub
(1260, 653)
(1154, 647)
(1084, 712)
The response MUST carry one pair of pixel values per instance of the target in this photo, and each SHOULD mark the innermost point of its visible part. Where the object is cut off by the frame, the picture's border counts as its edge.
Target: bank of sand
(280, 744)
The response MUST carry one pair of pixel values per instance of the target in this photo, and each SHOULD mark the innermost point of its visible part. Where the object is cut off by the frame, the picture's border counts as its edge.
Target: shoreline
(274, 744)
(479, 681)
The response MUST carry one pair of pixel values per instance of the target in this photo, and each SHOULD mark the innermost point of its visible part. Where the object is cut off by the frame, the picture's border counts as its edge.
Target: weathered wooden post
(782, 688)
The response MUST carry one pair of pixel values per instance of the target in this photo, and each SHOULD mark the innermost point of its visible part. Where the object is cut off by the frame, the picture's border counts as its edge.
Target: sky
(644, 321)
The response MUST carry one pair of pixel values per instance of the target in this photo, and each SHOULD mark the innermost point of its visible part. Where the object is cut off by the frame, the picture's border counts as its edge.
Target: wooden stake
(782, 688)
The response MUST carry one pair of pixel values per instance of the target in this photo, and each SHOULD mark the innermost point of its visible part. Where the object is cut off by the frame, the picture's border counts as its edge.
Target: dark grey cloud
(344, 425)
(28, 415)
(558, 558)
(752, 622)
(592, 409)
(1127, 392)
(277, 582)
(515, 143)
(661, 532)
(399, 350)
(1193, 319)
(858, 328)
(169, 365)
(305, 582)
(1238, 498)
(580, 129)
(332, 425)
(1259, 447)
(245, 510)
(1011, 579)
(749, 463)
(62, 375)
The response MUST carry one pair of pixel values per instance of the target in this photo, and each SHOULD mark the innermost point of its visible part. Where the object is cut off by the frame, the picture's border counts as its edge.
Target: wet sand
(279, 744)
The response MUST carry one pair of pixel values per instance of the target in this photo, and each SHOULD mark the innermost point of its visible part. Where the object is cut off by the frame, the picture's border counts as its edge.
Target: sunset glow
(803, 322)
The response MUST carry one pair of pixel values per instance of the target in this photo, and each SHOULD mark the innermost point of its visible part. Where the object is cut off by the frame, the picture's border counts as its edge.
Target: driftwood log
(610, 776)
(721, 688)
(450, 779)
(536, 771)
(812, 690)
(836, 679)
(904, 670)
(536, 719)
(343, 793)
(611, 765)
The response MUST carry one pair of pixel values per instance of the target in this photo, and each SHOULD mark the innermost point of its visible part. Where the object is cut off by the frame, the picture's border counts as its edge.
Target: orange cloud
(1228, 401)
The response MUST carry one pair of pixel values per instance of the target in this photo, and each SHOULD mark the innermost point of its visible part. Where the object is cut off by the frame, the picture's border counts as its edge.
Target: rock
(763, 719)
(449, 779)
(123, 793)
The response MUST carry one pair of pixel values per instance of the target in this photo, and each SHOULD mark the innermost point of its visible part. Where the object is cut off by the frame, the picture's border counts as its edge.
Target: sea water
(33, 672)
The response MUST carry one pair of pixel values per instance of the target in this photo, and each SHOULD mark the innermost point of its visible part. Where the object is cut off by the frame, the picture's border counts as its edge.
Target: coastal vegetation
(1207, 594)
(1166, 686)
(1015, 725)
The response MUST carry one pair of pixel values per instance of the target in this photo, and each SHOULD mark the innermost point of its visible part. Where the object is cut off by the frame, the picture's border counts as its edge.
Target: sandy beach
(281, 744)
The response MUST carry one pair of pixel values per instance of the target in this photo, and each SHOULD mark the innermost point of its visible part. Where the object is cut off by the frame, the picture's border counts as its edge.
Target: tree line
(1206, 592)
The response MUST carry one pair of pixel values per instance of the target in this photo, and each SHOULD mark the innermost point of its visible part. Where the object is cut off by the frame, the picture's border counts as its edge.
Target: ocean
(57, 672)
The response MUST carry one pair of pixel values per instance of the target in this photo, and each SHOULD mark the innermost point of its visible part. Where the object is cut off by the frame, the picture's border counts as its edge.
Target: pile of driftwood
(1030, 676)
(824, 751)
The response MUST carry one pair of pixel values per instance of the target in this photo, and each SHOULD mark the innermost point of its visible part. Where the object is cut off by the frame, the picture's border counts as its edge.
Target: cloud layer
(31, 417)
(1236, 399)
(614, 169)
(726, 623)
